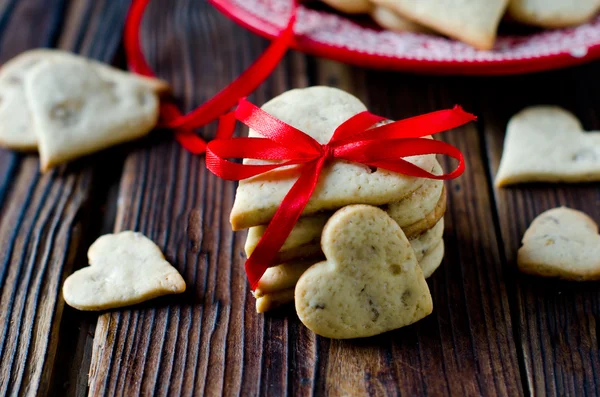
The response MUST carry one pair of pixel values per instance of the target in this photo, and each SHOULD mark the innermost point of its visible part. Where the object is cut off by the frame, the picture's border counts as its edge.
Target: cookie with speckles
(17, 130)
(276, 284)
(548, 144)
(416, 214)
(77, 109)
(562, 243)
(370, 283)
(318, 111)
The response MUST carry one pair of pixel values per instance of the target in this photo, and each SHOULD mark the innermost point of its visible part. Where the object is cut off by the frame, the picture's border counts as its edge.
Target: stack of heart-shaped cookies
(406, 212)
(66, 106)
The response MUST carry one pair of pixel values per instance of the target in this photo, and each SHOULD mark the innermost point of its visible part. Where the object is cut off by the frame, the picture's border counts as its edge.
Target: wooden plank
(556, 322)
(211, 341)
(42, 219)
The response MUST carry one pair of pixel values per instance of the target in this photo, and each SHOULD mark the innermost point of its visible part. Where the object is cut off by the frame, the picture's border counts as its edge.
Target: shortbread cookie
(283, 281)
(415, 214)
(370, 283)
(125, 269)
(286, 275)
(416, 206)
(275, 284)
(281, 277)
(562, 243)
(548, 144)
(273, 300)
(77, 111)
(350, 6)
(429, 220)
(318, 111)
(390, 20)
(432, 259)
(16, 128)
(473, 21)
(553, 13)
(304, 240)
(424, 243)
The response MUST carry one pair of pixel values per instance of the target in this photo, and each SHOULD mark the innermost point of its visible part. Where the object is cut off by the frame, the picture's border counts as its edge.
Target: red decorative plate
(334, 36)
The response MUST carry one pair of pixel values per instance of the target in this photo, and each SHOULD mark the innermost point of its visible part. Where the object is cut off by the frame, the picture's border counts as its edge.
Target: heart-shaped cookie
(553, 14)
(78, 109)
(318, 111)
(350, 6)
(125, 268)
(473, 21)
(370, 283)
(563, 243)
(391, 20)
(548, 144)
(17, 131)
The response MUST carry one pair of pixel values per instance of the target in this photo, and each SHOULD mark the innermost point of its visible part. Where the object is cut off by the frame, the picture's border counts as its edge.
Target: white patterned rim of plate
(270, 16)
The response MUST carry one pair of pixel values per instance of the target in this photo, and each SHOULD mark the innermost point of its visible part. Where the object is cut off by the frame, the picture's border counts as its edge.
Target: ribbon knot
(328, 152)
(361, 139)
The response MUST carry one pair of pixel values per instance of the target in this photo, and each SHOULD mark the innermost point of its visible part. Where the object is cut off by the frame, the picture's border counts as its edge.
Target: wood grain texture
(211, 341)
(40, 222)
(557, 321)
(493, 332)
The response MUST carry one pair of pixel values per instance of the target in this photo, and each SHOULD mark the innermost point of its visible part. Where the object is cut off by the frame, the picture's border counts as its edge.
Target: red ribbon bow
(244, 85)
(357, 140)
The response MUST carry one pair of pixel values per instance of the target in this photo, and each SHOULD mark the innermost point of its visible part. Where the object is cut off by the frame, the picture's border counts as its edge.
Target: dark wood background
(493, 332)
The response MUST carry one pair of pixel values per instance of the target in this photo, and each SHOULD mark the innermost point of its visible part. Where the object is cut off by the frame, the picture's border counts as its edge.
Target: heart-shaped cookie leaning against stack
(562, 243)
(125, 269)
(78, 109)
(370, 283)
(548, 144)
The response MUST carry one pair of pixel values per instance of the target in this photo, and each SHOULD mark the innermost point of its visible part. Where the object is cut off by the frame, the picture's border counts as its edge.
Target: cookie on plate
(390, 20)
(350, 6)
(548, 144)
(473, 21)
(562, 243)
(370, 283)
(553, 13)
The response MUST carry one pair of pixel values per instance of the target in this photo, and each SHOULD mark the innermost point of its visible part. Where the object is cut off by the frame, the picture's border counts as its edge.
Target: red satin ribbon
(356, 140)
(244, 85)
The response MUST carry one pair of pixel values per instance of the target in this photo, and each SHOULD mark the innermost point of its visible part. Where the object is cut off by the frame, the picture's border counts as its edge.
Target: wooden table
(493, 331)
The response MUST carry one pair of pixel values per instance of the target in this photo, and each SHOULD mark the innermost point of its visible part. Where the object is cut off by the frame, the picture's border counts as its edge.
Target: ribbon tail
(245, 84)
(131, 40)
(283, 222)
